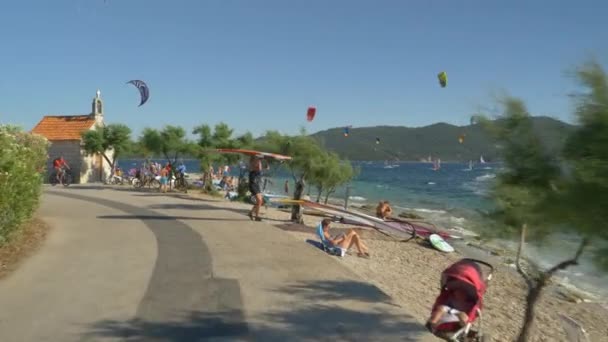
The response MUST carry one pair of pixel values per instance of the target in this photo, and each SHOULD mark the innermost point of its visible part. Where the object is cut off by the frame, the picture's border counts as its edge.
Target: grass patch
(21, 244)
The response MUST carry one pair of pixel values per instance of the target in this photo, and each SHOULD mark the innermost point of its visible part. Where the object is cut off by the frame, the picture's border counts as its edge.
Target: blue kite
(144, 92)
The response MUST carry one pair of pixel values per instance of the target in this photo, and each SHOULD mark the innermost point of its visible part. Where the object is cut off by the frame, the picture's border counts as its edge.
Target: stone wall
(95, 168)
(70, 149)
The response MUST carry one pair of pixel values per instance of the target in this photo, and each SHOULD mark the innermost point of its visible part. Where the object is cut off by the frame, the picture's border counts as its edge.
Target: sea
(453, 198)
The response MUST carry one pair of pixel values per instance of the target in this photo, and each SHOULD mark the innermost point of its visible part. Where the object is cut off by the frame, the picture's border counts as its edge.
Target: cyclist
(60, 164)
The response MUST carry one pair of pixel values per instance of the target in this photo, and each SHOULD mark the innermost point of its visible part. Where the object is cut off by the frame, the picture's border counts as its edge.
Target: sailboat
(481, 161)
(437, 164)
(470, 165)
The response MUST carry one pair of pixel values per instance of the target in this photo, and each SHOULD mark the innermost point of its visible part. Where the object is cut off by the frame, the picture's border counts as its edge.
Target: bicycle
(144, 180)
(181, 183)
(65, 178)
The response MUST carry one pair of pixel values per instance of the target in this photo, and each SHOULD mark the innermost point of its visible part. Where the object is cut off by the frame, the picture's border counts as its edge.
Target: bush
(23, 159)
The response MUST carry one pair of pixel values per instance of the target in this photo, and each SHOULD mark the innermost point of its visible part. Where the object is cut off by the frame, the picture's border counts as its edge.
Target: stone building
(64, 134)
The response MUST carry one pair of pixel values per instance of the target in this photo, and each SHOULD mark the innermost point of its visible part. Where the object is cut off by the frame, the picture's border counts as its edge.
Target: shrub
(22, 165)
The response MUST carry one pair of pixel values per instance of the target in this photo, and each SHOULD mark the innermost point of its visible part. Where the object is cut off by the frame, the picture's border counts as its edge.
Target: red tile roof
(68, 127)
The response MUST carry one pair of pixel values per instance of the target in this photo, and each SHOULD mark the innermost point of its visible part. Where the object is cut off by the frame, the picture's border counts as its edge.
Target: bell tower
(97, 108)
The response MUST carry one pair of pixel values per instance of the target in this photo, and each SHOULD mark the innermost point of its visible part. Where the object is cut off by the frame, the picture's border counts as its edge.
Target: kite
(310, 114)
(144, 92)
(475, 119)
(377, 141)
(461, 138)
(443, 79)
(346, 131)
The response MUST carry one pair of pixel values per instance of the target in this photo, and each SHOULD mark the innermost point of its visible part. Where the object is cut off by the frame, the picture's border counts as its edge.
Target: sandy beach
(409, 273)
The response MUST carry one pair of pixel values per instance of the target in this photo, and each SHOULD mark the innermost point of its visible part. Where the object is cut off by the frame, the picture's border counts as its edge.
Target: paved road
(129, 266)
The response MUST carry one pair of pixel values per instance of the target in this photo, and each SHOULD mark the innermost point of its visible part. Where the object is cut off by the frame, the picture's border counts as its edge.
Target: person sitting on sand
(384, 210)
(342, 241)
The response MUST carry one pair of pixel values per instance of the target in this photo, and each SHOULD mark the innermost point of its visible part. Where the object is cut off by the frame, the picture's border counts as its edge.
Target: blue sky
(258, 65)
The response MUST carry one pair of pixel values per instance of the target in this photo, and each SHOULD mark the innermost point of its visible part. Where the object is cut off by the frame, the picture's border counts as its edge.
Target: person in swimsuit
(164, 173)
(342, 241)
(383, 210)
(255, 178)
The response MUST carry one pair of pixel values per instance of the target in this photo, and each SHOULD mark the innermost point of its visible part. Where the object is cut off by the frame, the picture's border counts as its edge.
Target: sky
(258, 64)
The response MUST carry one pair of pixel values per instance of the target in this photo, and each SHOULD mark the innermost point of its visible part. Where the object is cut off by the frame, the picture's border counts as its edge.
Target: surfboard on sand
(439, 243)
(252, 153)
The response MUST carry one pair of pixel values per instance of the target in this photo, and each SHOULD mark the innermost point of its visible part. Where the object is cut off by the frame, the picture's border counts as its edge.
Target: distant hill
(437, 140)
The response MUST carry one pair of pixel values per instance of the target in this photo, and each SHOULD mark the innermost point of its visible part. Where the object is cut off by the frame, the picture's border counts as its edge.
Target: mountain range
(440, 140)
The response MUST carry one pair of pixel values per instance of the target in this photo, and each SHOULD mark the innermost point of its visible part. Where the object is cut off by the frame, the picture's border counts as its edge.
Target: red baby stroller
(459, 304)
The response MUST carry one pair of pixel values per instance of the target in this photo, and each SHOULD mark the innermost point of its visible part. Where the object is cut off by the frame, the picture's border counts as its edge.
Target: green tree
(331, 173)
(540, 193)
(307, 158)
(113, 138)
(170, 142)
(220, 137)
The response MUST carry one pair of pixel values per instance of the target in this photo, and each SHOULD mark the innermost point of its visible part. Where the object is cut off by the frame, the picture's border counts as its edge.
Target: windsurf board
(440, 244)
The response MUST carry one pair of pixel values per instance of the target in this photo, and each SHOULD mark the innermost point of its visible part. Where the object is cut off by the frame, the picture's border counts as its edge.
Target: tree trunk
(535, 290)
(531, 300)
(111, 163)
(329, 192)
(319, 194)
(208, 181)
(296, 210)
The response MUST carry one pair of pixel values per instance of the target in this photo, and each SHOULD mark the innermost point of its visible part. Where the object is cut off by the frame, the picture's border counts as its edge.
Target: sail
(394, 227)
(481, 160)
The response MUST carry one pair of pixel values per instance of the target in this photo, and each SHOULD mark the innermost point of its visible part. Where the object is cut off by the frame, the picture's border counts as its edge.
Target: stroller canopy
(465, 275)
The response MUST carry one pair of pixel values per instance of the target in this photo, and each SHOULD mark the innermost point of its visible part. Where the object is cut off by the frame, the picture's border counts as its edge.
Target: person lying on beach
(383, 210)
(343, 241)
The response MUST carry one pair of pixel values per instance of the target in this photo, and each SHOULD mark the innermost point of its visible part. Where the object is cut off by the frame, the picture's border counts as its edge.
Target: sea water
(453, 197)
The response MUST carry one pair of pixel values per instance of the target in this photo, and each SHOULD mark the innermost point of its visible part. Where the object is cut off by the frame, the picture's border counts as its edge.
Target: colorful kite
(377, 141)
(347, 131)
(443, 79)
(461, 138)
(310, 114)
(144, 92)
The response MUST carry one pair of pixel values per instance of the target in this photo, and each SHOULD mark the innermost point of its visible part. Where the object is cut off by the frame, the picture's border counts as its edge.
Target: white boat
(470, 165)
(481, 161)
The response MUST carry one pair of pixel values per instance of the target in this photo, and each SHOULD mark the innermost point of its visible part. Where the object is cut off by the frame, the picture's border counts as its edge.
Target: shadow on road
(330, 290)
(164, 217)
(313, 315)
(184, 206)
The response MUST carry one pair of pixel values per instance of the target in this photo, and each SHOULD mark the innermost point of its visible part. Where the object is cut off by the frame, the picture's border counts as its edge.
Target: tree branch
(571, 262)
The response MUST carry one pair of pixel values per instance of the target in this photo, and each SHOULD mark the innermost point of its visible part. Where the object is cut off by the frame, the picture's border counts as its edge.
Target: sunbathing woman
(343, 241)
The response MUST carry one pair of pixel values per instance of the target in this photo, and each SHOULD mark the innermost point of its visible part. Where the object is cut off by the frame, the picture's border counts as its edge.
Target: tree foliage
(541, 192)
(310, 163)
(170, 142)
(332, 173)
(114, 137)
(220, 137)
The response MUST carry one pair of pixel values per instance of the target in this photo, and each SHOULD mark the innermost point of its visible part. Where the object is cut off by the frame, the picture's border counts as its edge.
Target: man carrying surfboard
(255, 178)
